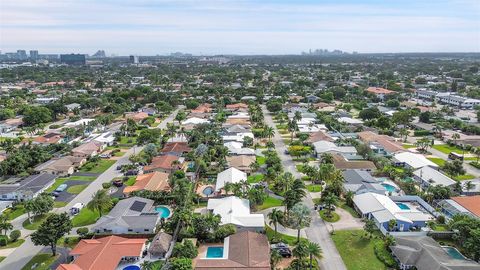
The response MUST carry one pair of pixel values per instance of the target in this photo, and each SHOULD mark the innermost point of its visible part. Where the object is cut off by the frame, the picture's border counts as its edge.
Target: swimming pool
(214, 252)
(163, 211)
(389, 187)
(132, 267)
(454, 253)
(207, 191)
(403, 206)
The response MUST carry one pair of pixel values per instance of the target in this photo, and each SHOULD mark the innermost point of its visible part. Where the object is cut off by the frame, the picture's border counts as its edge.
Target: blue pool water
(163, 211)
(214, 252)
(454, 253)
(403, 206)
(207, 191)
(132, 267)
(389, 187)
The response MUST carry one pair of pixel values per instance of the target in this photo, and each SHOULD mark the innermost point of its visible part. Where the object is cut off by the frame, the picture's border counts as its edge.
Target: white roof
(434, 177)
(414, 160)
(242, 115)
(106, 137)
(234, 210)
(230, 175)
(310, 129)
(238, 137)
(194, 121)
(326, 146)
(79, 122)
(233, 145)
(349, 120)
(384, 209)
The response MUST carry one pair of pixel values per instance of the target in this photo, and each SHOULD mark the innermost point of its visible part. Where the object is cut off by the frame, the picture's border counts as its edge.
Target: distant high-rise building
(34, 54)
(73, 59)
(100, 54)
(21, 54)
(134, 59)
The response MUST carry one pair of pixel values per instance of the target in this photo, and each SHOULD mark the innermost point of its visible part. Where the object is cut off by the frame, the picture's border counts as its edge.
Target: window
(130, 230)
(146, 230)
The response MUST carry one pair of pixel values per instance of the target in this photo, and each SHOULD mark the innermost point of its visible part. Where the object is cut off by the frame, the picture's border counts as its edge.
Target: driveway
(346, 222)
(64, 196)
(27, 250)
(318, 231)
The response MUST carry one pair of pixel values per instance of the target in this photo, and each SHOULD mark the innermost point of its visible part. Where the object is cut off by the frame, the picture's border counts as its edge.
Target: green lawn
(119, 154)
(291, 240)
(15, 244)
(299, 167)
(36, 221)
(60, 181)
(42, 262)
(71, 241)
(408, 146)
(463, 177)
(269, 202)
(446, 149)
(440, 162)
(261, 160)
(255, 178)
(334, 216)
(85, 217)
(128, 140)
(76, 189)
(314, 188)
(2, 258)
(356, 250)
(58, 204)
(349, 209)
(131, 180)
(101, 166)
(13, 214)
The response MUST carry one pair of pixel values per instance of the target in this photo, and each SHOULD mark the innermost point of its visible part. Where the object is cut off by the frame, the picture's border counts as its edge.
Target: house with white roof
(236, 137)
(382, 209)
(412, 160)
(194, 121)
(237, 149)
(81, 122)
(350, 121)
(230, 175)
(236, 211)
(428, 176)
(330, 147)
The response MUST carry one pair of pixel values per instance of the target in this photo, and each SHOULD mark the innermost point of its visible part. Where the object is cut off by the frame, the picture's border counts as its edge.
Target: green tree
(300, 218)
(100, 202)
(181, 264)
(369, 227)
(330, 200)
(5, 225)
(314, 252)
(275, 216)
(51, 230)
(185, 250)
(33, 116)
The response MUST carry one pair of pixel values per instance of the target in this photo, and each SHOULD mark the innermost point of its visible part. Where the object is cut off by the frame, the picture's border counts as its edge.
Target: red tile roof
(161, 162)
(379, 90)
(471, 203)
(176, 147)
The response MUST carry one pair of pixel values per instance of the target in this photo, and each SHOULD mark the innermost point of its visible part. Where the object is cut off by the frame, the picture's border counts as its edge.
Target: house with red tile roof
(89, 149)
(154, 181)
(381, 144)
(380, 92)
(237, 107)
(165, 163)
(104, 253)
(176, 148)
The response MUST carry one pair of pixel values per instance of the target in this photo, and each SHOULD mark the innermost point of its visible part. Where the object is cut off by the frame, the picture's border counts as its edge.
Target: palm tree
(330, 200)
(4, 224)
(314, 251)
(100, 202)
(438, 131)
(404, 133)
(455, 137)
(300, 251)
(275, 217)
(269, 133)
(300, 217)
(275, 258)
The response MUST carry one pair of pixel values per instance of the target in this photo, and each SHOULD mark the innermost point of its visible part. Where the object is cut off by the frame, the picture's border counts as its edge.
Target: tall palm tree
(314, 251)
(300, 251)
(455, 137)
(5, 226)
(275, 217)
(404, 133)
(269, 133)
(101, 201)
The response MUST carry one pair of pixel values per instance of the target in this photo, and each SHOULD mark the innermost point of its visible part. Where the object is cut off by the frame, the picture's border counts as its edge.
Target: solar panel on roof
(137, 206)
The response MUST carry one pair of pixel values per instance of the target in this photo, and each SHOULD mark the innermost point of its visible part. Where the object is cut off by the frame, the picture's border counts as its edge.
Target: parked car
(105, 156)
(118, 182)
(76, 208)
(59, 190)
(283, 249)
(279, 245)
(131, 172)
(323, 206)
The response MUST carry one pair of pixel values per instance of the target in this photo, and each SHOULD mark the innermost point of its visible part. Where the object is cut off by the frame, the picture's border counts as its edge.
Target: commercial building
(73, 59)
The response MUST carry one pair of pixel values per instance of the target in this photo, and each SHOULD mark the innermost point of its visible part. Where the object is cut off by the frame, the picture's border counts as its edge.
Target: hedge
(383, 255)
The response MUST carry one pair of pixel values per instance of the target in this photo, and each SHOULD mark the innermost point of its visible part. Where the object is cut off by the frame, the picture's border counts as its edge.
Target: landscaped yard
(291, 240)
(128, 140)
(131, 180)
(440, 162)
(255, 178)
(314, 188)
(15, 244)
(99, 167)
(260, 160)
(36, 221)
(356, 250)
(463, 177)
(333, 218)
(60, 181)
(408, 146)
(269, 202)
(349, 209)
(76, 189)
(42, 262)
(446, 149)
(14, 213)
(58, 204)
(85, 217)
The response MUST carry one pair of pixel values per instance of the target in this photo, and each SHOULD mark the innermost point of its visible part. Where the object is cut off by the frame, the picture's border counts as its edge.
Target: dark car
(284, 252)
(119, 167)
(131, 172)
(118, 182)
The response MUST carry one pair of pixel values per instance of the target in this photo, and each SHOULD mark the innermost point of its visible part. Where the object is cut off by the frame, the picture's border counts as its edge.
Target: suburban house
(9, 125)
(49, 138)
(88, 149)
(342, 163)
(241, 162)
(330, 147)
(61, 166)
(412, 160)
(230, 175)
(190, 123)
(243, 250)
(165, 163)
(137, 116)
(105, 253)
(154, 181)
(81, 122)
(236, 136)
(350, 121)
(15, 189)
(237, 107)
(381, 144)
(359, 181)
(380, 92)
(237, 149)
(424, 253)
(428, 176)
(464, 205)
(106, 138)
(319, 136)
(134, 215)
(175, 148)
(382, 209)
(237, 129)
(236, 211)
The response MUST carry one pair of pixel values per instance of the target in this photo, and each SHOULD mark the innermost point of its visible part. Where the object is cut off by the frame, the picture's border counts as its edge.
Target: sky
(151, 27)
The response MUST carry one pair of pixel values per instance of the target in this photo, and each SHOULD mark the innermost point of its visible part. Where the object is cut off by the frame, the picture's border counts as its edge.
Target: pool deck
(200, 189)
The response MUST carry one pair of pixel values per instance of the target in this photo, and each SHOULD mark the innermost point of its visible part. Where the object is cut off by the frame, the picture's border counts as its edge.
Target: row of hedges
(383, 255)
(419, 133)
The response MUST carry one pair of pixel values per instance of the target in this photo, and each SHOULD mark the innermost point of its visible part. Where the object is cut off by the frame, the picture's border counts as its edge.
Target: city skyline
(238, 27)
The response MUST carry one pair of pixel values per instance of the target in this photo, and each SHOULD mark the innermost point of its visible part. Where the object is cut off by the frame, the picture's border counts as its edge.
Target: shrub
(14, 235)
(3, 241)
(82, 232)
(383, 255)
(107, 185)
(224, 231)
(441, 219)
(185, 250)
(418, 133)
